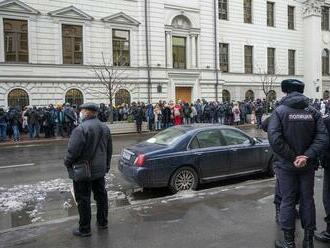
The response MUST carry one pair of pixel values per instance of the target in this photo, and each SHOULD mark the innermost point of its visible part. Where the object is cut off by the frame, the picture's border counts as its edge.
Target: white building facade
(163, 49)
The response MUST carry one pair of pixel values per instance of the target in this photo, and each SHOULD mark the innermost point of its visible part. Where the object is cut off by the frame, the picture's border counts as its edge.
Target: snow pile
(20, 196)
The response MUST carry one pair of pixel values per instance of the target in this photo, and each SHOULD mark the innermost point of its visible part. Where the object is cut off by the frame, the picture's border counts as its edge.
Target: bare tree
(268, 81)
(112, 79)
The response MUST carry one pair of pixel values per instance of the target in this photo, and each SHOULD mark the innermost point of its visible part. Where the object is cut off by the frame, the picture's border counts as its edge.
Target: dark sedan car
(182, 157)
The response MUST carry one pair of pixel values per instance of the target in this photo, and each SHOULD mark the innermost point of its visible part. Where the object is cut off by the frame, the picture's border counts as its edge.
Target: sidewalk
(25, 140)
(237, 216)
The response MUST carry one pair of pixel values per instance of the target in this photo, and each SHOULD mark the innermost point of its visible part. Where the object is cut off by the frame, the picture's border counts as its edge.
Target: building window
(292, 62)
(122, 96)
(121, 47)
(223, 9)
(225, 96)
(72, 37)
(249, 95)
(18, 98)
(179, 52)
(271, 60)
(270, 14)
(291, 18)
(326, 95)
(248, 59)
(325, 18)
(248, 11)
(224, 57)
(16, 40)
(325, 62)
(74, 97)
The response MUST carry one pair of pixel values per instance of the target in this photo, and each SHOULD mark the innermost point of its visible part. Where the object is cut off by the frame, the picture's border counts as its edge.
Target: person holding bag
(87, 160)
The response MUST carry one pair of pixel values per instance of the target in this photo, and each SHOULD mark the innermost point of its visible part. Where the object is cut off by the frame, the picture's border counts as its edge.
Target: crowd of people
(61, 119)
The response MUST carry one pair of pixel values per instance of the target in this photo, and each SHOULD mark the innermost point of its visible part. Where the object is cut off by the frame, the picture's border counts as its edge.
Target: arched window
(271, 97)
(18, 98)
(325, 62)
(225, 96)
(249, 95)
(74, 96)
(122, 96)
(181, 21)
(326, 95)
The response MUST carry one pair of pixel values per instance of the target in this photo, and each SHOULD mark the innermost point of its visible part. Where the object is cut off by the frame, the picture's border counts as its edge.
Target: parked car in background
(182, 157)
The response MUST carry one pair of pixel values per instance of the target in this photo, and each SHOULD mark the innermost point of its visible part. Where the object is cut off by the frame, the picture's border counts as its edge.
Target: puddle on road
(56, 205)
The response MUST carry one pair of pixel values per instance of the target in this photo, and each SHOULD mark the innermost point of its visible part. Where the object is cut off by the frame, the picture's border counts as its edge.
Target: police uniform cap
(90, 106)
(291, 85)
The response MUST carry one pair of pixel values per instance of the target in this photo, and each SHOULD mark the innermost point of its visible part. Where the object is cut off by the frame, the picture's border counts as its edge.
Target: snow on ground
(20, 196)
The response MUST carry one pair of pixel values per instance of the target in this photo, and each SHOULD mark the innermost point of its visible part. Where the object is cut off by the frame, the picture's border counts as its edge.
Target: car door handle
(234, 149)
(198, 154)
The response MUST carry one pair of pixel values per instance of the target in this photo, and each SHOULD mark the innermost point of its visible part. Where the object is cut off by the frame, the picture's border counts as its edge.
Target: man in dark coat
(138, 116)
(90, 141)
(297, 136)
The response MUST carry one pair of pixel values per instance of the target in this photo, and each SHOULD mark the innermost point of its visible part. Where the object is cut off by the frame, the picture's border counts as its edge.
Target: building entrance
(183, 94)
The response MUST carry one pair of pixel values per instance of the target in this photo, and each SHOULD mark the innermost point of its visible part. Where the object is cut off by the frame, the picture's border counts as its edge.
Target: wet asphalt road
(38, 171)
(238, 216)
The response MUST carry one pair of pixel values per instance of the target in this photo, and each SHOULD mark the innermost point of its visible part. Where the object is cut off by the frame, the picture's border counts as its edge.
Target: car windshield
(167, 137)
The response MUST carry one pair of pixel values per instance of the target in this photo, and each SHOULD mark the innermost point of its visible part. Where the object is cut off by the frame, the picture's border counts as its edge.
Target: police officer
(325, 235)
(297, 135)
(90, 141)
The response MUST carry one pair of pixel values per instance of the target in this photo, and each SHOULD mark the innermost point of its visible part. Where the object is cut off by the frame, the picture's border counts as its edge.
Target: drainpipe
(147, 48)
(216, 54)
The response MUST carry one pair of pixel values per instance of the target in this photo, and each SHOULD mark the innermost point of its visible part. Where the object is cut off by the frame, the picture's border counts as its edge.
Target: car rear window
(167, 137)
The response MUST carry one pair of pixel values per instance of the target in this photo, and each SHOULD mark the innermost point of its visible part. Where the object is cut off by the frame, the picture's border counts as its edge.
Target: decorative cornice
(313, 7)
(71, 12)
(121, 18)
(16, 6)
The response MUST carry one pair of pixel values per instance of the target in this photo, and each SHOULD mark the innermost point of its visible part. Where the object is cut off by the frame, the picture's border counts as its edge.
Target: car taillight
(139, 161)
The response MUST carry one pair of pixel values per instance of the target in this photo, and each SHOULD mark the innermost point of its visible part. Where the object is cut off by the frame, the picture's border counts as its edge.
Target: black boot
(288, 240)
(324, 236)
(308, 239)
(277, 213)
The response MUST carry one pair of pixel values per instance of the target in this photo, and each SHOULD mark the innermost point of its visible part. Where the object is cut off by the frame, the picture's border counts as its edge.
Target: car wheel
(183, 179)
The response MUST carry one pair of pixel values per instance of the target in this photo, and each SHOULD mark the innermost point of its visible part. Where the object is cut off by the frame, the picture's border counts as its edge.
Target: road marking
(16, 166)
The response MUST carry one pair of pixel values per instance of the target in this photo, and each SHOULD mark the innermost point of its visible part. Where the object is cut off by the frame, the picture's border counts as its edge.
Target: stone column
(168, 36)
(193, 51)
(312, 48)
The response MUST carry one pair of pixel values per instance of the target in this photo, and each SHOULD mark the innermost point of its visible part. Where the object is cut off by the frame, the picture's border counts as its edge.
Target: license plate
(126, 155)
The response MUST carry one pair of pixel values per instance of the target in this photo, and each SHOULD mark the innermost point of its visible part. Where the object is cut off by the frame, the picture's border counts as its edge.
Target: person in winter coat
(150, 116)
(259, 111)
(166, 114)
(90, 141)
(186, 113)
(193, 114)
(177, 111)
(33, 119)
(236, 114)
(221, 111)
(3, 125)
(138, 116)
(14, 122)
(158, 117)
(59, 120)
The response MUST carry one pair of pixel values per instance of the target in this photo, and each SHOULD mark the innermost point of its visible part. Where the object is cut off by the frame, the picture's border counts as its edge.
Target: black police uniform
(296, 129)
(325, 235)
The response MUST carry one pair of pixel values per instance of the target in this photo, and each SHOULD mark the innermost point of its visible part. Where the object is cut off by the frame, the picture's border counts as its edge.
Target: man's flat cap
(90, 106)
